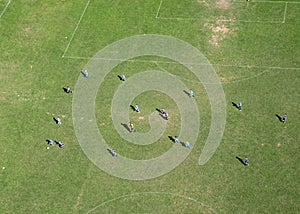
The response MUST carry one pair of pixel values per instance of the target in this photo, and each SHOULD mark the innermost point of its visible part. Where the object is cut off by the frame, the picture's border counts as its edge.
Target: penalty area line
(285, 11)
(6, 6)
(78, 23)
(169, 62)
(157, 13)
(152, 193)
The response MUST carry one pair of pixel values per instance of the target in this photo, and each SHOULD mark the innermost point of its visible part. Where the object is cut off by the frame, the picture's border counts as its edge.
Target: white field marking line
(223, 20)
(285, 11)
(230, 20)
(73, 34)
(6, 6)
(168, 62)
(246, 78)
(229, 82)
(250, 21)
(82, 188)
(293, 2)
(176, 75)
(153, 193)
(157, 13)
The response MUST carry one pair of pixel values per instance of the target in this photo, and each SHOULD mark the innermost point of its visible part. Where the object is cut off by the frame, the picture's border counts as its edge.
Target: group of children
(283, 120)
(187, 144)
(58, 120)
(137, 109)
(163, 113)
(51, 143)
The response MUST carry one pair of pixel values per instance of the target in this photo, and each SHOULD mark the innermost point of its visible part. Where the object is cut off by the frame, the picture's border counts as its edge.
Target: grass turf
(65, 181)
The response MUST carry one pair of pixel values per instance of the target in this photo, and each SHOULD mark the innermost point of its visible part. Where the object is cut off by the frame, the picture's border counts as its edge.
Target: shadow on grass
(132, 107)
(182, 144)
(110, 152)
(120, 78)
(279, 117)
(241, 160)
(56, 121)
(186, 92)
(159, 111)
(126, 126)
(172, 139)
(235, 105)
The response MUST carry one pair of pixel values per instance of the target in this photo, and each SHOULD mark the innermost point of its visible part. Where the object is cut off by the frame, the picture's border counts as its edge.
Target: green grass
(257, 62)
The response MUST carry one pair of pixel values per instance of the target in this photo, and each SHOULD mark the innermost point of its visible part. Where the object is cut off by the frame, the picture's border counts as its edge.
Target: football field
(225, 51)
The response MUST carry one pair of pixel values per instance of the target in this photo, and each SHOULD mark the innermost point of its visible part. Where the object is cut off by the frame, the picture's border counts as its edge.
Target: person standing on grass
(131, 127)
(167, 116)
(86, 74)
(239, 105)
(246, 161)
(51, 142)
(137, 109)
(187, 145)
(58, 121)
(284, 118)
(68, 90)
(123, 78)
(114, 153)
(191, 94)
(176, 140)
(60, 144)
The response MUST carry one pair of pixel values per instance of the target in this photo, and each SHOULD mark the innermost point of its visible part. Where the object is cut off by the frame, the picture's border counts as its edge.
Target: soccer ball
(47, 147)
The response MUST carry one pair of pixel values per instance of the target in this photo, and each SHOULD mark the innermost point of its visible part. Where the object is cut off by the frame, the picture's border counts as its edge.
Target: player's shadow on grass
(182, 144)
(163, 116)
(279, 117)
(120, 77)
(172, 139)
(241, 160)
(56, 121)
(126, 126)
(186, 92)
(160, 113)
(132, 107)
(110, 152)
(235, 105)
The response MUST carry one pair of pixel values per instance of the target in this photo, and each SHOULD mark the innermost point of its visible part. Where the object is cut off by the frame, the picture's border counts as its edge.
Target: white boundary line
(169, 62)
(234, 81)
(292, 2)
(285, 11)
(231, 20)
(157, 13)
(223, 20)
(152, 193)
(73, 34)
(6, 6)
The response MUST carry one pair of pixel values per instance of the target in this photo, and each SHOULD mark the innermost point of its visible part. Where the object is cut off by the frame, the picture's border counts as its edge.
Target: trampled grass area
(256, 56)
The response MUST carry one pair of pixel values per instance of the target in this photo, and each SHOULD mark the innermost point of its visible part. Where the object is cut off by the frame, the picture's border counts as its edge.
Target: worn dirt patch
(27, 30)
(223, 4)
(220, 31)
